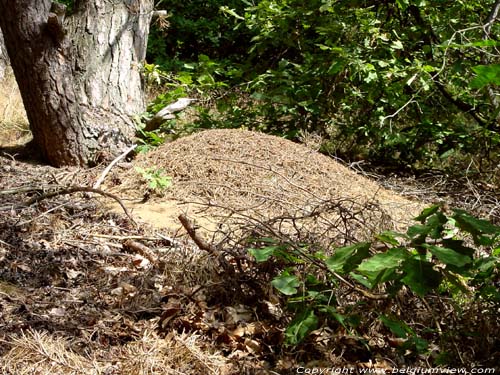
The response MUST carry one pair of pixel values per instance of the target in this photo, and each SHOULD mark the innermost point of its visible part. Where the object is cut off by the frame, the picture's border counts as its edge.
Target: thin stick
(111, 165)
(200, 242)
(75, 189)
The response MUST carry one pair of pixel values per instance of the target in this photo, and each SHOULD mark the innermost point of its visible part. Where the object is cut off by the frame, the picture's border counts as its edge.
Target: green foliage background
(404, 83)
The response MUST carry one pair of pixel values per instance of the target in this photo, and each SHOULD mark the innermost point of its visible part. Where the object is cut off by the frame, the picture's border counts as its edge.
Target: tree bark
(4, 58)
(79, 73)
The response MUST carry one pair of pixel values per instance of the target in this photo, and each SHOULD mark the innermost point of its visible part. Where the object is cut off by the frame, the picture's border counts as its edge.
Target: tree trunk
(4, 58)
(79, 73)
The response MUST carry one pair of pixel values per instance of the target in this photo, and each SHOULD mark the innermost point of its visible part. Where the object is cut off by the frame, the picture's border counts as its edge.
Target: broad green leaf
(458, 246)
(348, 257)
(472, 224)
(389, 237)
(448, 256)
(397, 45)
(372, 278)
(379, 262)
(478, 228)
(336, 67)
(303, 323)
(434, 225)
(485, 75)
(420, 276)
(286, 284)
(487, 264)
(362, 279)
(417, 230)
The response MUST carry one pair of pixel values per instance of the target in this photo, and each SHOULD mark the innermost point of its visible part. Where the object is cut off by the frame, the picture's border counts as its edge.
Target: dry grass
(35, 352)
(14, 128)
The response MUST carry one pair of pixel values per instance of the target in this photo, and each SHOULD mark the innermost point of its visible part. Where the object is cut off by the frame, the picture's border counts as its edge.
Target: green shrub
(453, 255)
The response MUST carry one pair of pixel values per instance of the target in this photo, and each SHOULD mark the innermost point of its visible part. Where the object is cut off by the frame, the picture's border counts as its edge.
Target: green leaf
(304, 323)
(372, 278)
(480, 43)
(397, 45)
(286, 284)
(403, 4)
(399, 328)
(262, 255)
(225, 9)
(487, 264)
(363, 279)
(420, 276)
(448, 256)
(478, 228)
(421, 345)
(433, 227)
(472, 224)
(458, 246)
(389, 237)
(379, 262)
(485, 75)
(426, 212)
(347, 258)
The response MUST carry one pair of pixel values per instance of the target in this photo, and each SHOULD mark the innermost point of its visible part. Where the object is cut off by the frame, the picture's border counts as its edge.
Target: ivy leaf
(304, 323)
(286, 284)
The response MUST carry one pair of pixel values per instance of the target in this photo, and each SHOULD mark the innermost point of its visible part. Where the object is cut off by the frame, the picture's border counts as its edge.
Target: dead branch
(199, 241)
(141, 249)
(112, 164)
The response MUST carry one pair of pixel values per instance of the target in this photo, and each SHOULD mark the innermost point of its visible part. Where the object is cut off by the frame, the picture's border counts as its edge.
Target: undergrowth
(421, 287)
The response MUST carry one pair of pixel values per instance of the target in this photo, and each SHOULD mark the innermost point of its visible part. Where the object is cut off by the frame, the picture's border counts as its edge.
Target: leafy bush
(405, 83)
(446, 255)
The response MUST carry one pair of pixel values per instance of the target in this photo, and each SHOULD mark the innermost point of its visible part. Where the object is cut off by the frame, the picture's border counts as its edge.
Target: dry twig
(76, 189)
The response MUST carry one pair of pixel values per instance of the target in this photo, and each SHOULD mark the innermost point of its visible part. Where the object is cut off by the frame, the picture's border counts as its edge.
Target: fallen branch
(111, 165)
(141, 249)
(199, 241)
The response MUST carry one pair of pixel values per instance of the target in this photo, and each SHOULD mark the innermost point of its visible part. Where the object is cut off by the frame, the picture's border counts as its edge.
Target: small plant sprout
(155, 177)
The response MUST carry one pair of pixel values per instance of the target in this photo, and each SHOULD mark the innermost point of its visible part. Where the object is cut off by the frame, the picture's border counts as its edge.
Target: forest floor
(166, 286)
(85, 289)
